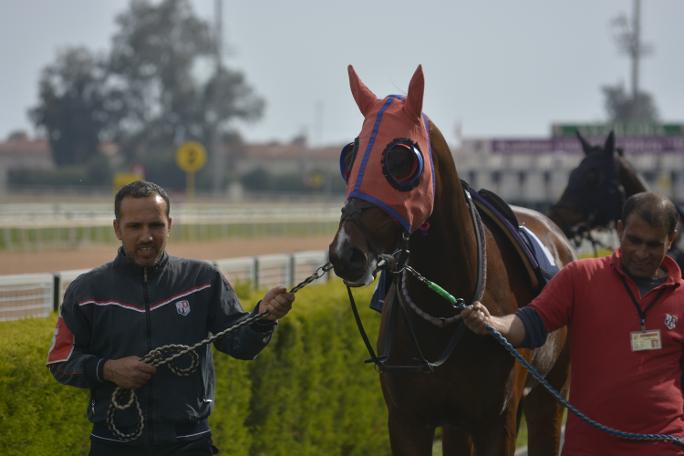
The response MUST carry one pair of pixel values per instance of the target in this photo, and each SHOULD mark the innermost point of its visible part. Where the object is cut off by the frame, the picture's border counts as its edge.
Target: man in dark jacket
(113, 315)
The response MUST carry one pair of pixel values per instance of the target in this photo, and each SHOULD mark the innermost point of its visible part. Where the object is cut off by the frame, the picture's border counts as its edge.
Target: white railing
(26, 295)
(37, 295)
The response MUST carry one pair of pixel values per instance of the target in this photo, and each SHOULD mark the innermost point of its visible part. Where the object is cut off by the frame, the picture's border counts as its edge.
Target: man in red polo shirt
(625, 315)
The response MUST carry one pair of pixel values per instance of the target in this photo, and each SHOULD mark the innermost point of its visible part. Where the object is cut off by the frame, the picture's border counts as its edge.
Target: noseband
(352, 211)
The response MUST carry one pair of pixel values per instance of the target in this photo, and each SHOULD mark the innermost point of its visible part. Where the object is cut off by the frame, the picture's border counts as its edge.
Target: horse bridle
(397, 264)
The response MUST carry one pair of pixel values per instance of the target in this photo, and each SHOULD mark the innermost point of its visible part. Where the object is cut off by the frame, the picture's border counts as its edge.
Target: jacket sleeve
(68, 357)
(226, 310)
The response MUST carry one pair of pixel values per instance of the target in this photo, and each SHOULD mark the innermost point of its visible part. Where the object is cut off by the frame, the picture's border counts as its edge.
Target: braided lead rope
(460, 305)
(559, 397)
(167, 354)
(481, 281)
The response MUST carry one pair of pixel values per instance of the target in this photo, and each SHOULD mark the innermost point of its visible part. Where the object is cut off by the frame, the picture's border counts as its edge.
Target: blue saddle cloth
(492, 207)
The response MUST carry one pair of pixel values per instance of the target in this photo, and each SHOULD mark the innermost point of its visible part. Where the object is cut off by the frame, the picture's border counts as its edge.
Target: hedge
(308, 393)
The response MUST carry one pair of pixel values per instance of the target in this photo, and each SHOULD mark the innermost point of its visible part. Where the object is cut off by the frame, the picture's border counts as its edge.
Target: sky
(497, 68)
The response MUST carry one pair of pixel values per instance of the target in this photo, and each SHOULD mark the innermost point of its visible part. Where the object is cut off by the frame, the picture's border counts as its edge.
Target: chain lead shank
(167, 354)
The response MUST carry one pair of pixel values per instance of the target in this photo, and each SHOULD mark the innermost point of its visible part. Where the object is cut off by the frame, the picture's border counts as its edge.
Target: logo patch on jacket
(671, 321)
(183, 307)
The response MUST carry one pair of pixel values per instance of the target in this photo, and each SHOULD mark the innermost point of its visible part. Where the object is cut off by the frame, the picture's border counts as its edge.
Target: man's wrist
(262, 324)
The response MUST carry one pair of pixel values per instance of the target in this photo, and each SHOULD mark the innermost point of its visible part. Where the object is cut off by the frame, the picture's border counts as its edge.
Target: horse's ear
(363, 96)
(585, 145)
(609, 145)
(414, 99)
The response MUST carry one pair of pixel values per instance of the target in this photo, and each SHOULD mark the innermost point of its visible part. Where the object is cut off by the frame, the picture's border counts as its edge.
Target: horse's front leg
(408, 436)
(497, 437)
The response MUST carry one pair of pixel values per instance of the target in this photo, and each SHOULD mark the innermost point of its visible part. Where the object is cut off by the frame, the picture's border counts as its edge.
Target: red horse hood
(393, 166)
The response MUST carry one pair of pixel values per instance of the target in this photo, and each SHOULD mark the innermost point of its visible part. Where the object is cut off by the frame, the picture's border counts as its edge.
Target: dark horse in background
(596, 190)
(403, 189)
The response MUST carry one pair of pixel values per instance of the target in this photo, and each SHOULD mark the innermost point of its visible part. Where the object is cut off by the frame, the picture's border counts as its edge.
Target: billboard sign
(646, 144)
(601, 130)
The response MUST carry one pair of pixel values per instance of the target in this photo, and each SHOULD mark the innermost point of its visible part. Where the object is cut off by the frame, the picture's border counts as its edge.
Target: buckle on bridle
(396, 261)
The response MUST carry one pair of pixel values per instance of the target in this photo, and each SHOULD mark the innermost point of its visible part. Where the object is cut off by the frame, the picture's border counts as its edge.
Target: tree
(637, 106)
(73, 106)
(156, 57)
(622, 108)
(157, 87)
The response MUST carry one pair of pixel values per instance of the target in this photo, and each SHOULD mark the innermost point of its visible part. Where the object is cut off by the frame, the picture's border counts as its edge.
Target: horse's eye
(347, 157)
(402, 164)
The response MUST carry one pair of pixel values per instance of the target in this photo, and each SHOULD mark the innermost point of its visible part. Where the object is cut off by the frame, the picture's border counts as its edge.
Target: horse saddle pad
(538, 261)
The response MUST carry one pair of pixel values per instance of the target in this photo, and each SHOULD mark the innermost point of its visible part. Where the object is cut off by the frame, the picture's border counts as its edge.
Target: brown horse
(596, 190)
(403, 189)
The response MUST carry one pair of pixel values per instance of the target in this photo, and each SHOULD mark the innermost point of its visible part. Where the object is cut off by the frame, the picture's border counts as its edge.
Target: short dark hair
(139, 189)
(656, 210)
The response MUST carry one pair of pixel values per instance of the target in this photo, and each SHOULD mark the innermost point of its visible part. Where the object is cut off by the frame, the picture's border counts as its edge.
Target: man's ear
(170, 223)
(619, 227)
(116, 226)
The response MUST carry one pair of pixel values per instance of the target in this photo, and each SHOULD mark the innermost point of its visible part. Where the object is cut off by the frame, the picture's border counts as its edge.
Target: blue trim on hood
(380, 204)
(371, 141)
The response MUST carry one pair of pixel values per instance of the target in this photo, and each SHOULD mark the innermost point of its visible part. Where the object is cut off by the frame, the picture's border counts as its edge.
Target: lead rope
(459, 304)
(167, 354)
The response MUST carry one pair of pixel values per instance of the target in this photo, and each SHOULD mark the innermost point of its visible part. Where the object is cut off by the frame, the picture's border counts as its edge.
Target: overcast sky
(496, 68)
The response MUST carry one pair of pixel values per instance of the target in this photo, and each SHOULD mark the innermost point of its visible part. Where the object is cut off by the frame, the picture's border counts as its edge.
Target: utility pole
(636, 52)
(628, 39)
(217, 146)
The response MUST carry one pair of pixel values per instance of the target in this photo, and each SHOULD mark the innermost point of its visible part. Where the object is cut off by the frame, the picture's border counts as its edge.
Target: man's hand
(476, 317)
(129, 372)
(277, 302)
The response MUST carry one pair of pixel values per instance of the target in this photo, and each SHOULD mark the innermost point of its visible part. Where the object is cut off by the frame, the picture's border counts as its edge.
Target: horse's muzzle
(350, 264)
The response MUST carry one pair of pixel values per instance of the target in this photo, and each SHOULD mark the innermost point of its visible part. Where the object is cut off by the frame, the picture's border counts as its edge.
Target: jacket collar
(122, 261)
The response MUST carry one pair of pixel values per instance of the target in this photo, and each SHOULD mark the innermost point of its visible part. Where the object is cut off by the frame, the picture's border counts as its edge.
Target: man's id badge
(646, 340)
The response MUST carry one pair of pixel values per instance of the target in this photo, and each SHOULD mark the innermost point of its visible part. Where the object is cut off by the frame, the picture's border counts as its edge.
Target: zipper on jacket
(148, 338)
(148, 317)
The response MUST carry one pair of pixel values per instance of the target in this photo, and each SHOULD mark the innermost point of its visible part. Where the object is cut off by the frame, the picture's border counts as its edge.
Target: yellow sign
(191, 156)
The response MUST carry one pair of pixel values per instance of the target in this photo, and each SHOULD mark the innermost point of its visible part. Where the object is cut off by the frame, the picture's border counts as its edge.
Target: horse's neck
(447, 253)
(630, 179)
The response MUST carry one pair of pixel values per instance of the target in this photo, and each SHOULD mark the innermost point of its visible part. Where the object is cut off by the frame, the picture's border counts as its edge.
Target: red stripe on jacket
(62, 343)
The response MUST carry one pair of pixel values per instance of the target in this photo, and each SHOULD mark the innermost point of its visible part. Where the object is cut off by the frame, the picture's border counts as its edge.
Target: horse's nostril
(349, 262)
(356, 258)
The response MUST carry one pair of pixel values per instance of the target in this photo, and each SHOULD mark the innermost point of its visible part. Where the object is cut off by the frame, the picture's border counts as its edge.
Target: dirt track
(91, 256)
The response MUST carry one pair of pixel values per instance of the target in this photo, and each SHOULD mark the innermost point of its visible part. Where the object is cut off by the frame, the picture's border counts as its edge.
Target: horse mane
(630, 178)
(448, 217)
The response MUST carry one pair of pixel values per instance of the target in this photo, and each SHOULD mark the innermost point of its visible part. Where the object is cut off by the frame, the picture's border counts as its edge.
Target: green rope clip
(456, 302)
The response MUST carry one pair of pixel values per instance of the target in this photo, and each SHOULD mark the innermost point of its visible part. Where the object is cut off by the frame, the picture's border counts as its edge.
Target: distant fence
(37, 295)
(36, 226)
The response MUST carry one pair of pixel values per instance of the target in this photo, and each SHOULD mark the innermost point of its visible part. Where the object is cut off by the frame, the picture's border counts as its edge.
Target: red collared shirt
(637, 392)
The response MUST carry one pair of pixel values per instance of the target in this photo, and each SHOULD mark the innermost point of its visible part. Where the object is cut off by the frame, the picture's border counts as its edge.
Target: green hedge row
(308, 393)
